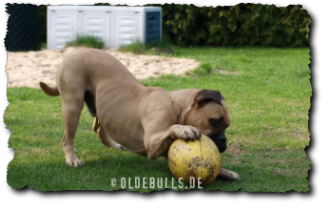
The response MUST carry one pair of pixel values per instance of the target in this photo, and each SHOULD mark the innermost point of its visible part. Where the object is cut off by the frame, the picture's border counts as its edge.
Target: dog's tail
(51, 91)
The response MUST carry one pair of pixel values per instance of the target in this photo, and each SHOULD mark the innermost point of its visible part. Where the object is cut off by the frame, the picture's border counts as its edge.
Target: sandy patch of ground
(28, 68)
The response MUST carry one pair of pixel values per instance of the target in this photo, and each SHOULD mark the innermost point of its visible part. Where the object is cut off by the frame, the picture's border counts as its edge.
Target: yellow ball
(197, 159)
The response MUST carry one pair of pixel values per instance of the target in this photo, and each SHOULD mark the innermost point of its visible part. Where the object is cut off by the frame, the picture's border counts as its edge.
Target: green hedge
(239, 25)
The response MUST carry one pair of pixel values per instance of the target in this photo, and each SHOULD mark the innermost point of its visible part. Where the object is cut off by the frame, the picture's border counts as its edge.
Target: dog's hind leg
(72, 105)
(103, 136)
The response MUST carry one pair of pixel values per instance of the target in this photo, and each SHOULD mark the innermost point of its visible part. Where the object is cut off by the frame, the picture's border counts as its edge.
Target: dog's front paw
(185, 132)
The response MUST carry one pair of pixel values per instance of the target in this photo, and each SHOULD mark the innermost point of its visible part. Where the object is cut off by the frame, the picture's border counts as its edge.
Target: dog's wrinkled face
(210, 115)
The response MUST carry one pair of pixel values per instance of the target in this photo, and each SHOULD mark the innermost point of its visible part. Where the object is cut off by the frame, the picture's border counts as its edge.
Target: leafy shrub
(155, 47)
(86, 41)
(242, 24)
(137, 47)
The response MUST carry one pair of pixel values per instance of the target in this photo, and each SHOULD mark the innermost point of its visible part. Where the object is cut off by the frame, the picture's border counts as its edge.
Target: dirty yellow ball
(197, 159)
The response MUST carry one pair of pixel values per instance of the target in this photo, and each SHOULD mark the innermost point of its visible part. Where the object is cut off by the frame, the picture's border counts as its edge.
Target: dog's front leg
(158, 143)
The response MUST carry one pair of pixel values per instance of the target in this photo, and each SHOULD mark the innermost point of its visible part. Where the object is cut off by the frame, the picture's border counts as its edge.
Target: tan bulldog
(142, 119)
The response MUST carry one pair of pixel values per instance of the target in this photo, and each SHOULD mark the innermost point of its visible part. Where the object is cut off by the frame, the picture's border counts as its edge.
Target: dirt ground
(28, 68)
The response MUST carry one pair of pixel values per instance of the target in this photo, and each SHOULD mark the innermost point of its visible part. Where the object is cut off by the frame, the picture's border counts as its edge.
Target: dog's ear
(205, 96)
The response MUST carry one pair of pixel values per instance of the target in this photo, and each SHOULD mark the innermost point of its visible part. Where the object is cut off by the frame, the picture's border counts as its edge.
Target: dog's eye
(216, 123)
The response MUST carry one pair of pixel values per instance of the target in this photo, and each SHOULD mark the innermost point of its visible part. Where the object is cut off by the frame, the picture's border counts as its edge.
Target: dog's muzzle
(220, 140)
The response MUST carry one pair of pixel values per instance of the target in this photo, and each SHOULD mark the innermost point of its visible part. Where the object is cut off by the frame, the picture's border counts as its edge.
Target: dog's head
(209, 114)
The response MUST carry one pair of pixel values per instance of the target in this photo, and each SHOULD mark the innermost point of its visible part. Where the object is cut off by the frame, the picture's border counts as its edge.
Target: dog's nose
(223, 139)
(219, 137)
(220, 140)
(215, 136)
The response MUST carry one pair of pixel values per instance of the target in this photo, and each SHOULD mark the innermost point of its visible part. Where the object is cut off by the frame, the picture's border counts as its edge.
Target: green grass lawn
(267, 92)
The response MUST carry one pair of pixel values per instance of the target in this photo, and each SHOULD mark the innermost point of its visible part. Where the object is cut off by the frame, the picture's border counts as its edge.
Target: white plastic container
(115, 25)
